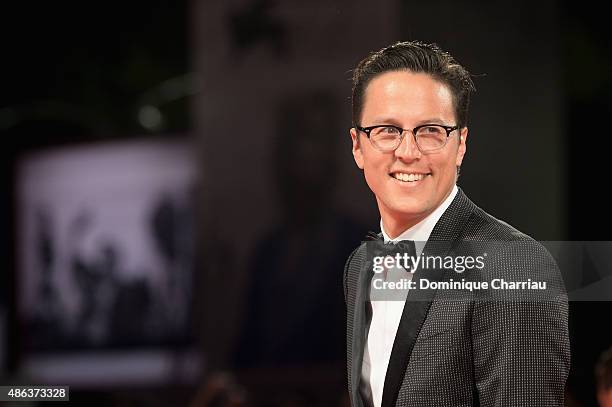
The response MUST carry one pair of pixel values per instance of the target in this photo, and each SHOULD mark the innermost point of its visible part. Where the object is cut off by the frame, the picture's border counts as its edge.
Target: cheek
(446, 167)
(371, 175)
(374, 171)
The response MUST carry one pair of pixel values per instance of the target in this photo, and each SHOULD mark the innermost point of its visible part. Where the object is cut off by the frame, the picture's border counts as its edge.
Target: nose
(408, 149)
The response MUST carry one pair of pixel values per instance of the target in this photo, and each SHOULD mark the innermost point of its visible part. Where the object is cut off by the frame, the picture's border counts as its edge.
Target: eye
(387, 132)
(431, 130)
(390, 131)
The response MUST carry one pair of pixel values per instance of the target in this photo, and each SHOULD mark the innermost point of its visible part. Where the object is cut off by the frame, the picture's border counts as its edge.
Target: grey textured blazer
(471, 352)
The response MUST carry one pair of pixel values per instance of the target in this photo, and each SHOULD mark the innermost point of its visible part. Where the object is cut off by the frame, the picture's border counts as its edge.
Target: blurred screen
(105, 262)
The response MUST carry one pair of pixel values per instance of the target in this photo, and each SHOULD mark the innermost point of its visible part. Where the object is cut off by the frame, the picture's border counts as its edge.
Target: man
(410, 107)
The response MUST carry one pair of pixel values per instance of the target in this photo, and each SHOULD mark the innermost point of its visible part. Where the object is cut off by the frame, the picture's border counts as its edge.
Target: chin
(408, 209)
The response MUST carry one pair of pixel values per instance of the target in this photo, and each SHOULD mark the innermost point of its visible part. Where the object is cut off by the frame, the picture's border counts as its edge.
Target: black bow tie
(373, 236)
(380, 248)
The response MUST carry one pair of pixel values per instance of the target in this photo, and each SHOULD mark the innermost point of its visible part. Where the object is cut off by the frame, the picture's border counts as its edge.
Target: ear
(357, 153)
(462, 146)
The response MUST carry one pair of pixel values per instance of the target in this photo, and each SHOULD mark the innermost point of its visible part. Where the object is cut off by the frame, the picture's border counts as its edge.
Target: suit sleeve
(520, 343)
(345, 275)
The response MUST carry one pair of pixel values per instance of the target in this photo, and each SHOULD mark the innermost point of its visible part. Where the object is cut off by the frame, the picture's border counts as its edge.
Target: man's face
(407, 100)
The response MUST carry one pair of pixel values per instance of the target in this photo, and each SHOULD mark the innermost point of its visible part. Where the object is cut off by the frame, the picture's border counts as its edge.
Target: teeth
(408, 177)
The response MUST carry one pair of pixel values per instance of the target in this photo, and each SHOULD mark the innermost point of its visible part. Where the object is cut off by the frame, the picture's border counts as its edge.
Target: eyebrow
(388, 120)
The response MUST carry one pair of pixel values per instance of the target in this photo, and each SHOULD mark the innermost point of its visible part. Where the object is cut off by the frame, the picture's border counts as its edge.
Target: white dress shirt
(386, 315)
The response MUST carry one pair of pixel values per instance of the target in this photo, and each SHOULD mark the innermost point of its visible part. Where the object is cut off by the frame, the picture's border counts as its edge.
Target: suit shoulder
(484, 227)
(355, 258)
(482, 224)
(352, 268)
(511, 246)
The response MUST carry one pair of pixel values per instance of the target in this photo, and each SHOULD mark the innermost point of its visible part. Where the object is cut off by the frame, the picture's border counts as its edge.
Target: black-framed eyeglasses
(428, 137)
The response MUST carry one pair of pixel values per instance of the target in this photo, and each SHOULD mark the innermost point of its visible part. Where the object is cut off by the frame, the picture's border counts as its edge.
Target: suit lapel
(442, 238)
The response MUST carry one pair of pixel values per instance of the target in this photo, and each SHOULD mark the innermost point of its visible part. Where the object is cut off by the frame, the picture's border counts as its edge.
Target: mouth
(409, 177)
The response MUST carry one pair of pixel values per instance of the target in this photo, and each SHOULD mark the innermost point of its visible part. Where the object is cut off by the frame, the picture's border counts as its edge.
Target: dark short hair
(416, 57)
(603, 370)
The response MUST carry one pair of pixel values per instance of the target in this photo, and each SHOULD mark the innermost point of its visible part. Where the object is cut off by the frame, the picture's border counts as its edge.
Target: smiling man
(410, 176)
(410, 107)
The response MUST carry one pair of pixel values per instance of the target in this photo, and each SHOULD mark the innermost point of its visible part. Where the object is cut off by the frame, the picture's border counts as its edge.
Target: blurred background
(179, 196)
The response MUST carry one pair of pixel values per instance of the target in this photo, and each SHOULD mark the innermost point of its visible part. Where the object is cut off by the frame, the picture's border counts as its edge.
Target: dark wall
(587, 63)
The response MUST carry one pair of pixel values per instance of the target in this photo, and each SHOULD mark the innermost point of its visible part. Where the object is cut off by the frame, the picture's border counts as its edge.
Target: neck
(396, 226)
(396, 223)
